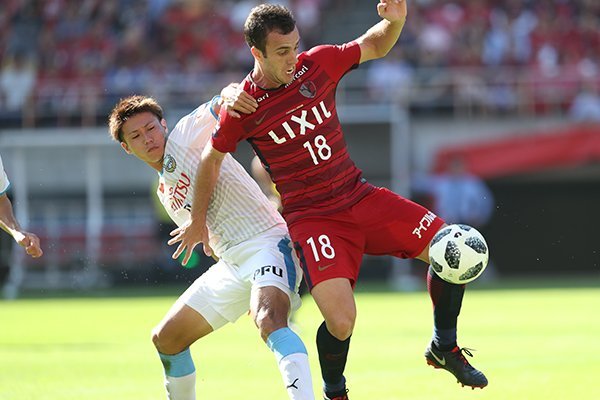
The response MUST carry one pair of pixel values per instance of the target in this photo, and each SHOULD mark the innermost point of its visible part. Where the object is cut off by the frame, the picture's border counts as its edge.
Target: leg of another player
(173, 336)
(335, 300)
(447, 302)
(270, 308)
(443, 351)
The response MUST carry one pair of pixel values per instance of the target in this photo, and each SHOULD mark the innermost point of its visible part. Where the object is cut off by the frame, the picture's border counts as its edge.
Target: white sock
(181, 388)
(292, 360)
(296, 374)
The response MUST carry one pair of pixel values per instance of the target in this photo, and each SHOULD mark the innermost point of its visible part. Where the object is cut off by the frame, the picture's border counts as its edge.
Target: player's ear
(125, 147)
(163, 123)
(257, 53)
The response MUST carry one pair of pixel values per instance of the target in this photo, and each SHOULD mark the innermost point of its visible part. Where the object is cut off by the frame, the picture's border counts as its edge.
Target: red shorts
(382, 223)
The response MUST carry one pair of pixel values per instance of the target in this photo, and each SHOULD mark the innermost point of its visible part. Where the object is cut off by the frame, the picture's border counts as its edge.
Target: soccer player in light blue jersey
(256, 270)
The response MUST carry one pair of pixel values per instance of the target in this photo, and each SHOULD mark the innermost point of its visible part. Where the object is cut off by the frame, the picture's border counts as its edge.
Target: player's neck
(158, 166)
(260, 79)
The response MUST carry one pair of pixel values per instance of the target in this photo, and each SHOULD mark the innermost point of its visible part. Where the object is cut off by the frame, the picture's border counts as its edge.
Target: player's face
(279, 60)
(144, 137)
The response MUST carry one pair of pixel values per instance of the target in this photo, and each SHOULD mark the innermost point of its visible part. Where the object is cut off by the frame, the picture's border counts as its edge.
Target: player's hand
(189, 236)
(236, 100)
(392, 10)
(30, 242)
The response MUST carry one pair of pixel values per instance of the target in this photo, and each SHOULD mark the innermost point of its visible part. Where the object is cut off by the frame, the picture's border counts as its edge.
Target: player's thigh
(335, 299)
(424, 255)
(328, 248)
(270, 299)
(395, 225)
(181, 326)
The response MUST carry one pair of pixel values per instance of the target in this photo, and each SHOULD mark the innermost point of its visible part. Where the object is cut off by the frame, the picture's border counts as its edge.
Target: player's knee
(164, 343)
(157, 338)
(341, 326)
(270, 318)
(155, 335)
(270, 308)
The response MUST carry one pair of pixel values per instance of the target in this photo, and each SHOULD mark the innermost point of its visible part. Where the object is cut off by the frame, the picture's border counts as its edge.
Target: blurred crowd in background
(66, 61)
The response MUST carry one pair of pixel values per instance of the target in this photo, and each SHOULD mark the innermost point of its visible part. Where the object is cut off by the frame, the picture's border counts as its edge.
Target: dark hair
(264, 19)
(127, 108)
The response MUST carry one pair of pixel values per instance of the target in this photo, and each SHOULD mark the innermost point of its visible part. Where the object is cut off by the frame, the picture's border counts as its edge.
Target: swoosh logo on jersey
(324, 267)
(442, 360)
(261, 119)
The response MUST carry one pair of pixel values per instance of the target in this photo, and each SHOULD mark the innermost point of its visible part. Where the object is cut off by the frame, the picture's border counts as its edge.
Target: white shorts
(222, 294)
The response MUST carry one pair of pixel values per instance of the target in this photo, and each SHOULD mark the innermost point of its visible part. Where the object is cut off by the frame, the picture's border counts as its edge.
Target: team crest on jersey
(308, 89)
(169, 164)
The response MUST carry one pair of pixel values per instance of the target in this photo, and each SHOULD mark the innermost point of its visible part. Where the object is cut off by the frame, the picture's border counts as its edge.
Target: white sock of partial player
(180, 375)
(292, 359)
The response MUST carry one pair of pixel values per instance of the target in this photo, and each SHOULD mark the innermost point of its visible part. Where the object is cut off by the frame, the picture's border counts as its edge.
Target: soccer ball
(458, 253)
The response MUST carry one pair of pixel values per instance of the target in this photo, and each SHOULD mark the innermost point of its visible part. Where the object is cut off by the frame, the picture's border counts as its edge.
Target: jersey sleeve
(228, 133)
(337, 60)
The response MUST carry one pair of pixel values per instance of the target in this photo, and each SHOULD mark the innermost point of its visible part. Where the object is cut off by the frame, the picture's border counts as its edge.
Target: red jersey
(298, 137)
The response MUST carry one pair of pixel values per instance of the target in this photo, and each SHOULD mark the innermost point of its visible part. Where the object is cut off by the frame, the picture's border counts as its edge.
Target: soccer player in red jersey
(334, 215)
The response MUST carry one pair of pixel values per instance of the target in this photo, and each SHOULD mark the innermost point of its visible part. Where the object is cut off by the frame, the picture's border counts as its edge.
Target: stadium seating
(64, 63)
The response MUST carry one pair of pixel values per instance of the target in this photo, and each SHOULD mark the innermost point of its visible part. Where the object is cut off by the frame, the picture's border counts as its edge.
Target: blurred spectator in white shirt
(17, 80)
(390, 78)
(586, 105)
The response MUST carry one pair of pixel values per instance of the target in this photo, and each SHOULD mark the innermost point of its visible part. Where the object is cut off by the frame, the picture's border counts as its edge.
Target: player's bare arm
(29, 241)
(381, 37)
(195, 231)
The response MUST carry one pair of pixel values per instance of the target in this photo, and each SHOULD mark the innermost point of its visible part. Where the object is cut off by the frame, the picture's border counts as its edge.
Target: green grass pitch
(531, 343)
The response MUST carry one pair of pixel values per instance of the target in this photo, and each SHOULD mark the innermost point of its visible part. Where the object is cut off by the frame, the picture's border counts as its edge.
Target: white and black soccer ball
(458, 253)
